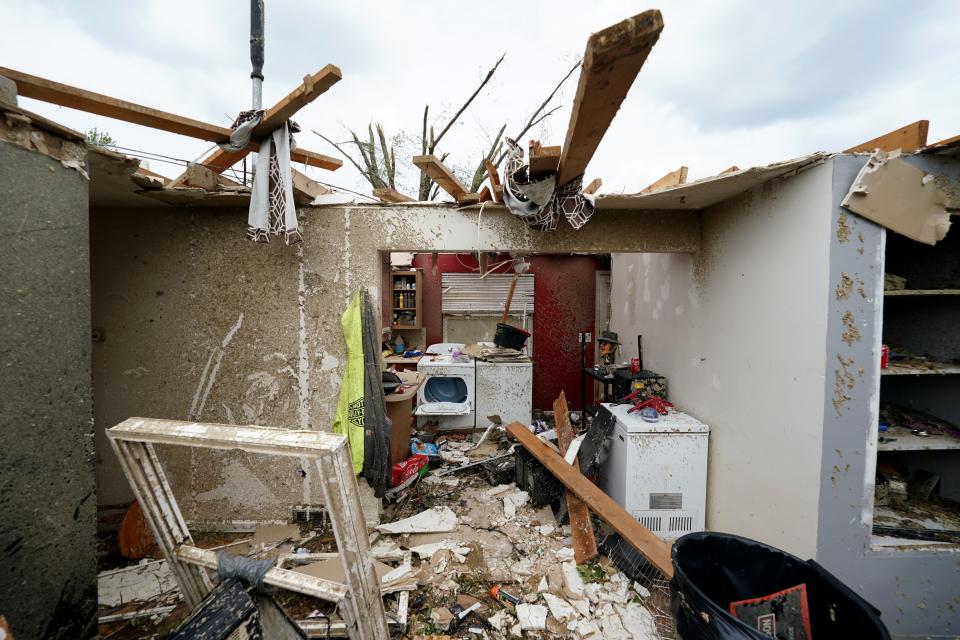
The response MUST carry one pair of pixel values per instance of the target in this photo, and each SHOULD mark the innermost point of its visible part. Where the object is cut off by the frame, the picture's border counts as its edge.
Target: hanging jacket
(349, 417)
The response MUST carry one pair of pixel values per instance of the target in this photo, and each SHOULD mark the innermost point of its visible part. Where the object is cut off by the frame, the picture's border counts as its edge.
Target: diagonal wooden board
(912, 137)
(439, 173)
(612, 60)
(30, 86)
(584, 542)
(672, 179)
(655, 550)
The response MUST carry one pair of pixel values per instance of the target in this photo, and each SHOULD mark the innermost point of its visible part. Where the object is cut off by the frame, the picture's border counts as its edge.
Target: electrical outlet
(589, 337)
(584, 337)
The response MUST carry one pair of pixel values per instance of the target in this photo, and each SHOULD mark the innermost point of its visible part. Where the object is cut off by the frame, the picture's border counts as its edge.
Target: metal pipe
(256, 51)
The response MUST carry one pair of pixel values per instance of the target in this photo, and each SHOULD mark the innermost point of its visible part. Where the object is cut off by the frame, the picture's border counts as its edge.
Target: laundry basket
(713, 570)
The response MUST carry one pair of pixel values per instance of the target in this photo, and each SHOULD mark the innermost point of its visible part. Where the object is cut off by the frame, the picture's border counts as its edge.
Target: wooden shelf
(906, 441)
(921, 292)
(915, 368)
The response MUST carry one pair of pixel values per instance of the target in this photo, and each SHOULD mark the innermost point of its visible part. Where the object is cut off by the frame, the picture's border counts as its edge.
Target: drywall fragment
(588, 630)
(901, 197)
(512, 501)
(572, 582)
(638, 620)
(560, 609)
(141, 582)
(501, 620)
(435, 520)
(532, 617)
(427, 550)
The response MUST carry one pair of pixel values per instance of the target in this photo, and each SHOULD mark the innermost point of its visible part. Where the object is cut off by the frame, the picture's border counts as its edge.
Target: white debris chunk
(546, 529)
(532, 617)
(435, 520)
(498, 490)
(592, 591)
(638, 620)
(512, 501)
(582, 606)
(427, 550)
(543, 586)
(612, 626)
(501, 621)
(516, 630)
(588, 630)
(641, 590)
(560, 609)
(572, 582)
(564, 554)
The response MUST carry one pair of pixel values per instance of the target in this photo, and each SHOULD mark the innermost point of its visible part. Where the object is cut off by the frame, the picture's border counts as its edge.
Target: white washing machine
(448, 393)
(657, 471)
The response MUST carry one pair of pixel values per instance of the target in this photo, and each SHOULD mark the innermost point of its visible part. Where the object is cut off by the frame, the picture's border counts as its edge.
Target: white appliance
(657, 471)
(448, 393)
(504, 389)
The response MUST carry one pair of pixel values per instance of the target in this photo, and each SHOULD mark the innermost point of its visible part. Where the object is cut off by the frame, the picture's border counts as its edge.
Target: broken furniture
(400, 412)
(657, 471)
(358, 600)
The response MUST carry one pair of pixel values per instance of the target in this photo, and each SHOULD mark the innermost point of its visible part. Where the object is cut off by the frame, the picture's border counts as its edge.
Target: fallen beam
(65, 95)
(612, 60)
(439, 173)
(496, 187)
(283, 578)
(389, 194)
(593, 187)
(542, 160)
(672, 179)
(655, 550)
(912, 137)
(584, 541)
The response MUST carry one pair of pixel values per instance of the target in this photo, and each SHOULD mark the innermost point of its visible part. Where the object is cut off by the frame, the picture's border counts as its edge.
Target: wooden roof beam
(439, 173)
(672, 179)
(912, 137)
(593, 187)
(389, 194)
(612, 60)
(542, 160)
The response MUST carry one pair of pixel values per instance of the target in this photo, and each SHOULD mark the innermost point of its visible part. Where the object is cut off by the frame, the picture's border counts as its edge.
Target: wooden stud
(389, 194)
(672, 179)
(593, 187)
(912, 137)
(612, 60)
(439, 173)
(655, 550)
(494, 178)
(731, 169)
(360, 603)
(584, 542)
(942, 144)
(542, 160)
(485, 195)
(306, 188)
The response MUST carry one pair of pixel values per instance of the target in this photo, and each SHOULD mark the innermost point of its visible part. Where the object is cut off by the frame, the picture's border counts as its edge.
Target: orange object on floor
(136, 541)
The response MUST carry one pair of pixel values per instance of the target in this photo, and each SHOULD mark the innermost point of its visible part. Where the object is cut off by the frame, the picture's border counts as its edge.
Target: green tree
(99, 138)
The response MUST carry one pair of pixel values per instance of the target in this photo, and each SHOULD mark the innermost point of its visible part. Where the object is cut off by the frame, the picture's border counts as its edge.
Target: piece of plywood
(439, 173)
(584, 542)
(389, 194)
(901, 197)
(612, 60)
(593, 187)
(542, 160)
(912, 137)
(655, 550)
(672, 179)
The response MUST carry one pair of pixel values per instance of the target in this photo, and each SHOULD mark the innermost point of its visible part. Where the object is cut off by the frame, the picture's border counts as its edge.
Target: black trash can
(713, 570)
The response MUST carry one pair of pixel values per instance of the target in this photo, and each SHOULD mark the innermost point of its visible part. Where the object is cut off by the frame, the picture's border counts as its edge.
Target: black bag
(711, 570)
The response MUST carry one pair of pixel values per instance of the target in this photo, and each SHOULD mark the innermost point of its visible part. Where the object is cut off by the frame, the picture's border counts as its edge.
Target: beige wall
(201, 324)
(739, 330)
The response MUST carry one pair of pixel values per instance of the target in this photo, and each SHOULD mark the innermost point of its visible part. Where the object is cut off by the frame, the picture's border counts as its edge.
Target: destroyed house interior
(240, 402)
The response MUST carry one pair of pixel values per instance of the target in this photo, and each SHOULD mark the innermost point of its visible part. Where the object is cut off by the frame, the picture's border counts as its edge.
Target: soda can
(634, 365)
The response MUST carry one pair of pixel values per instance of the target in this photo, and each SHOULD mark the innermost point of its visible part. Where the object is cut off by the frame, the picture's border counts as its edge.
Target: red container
(884, 356)
(634, 365)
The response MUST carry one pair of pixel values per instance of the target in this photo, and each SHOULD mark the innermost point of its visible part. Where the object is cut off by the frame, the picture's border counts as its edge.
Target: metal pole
(256, 51)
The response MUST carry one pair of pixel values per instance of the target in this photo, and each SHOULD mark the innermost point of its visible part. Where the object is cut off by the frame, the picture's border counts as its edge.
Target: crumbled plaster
(851, 332)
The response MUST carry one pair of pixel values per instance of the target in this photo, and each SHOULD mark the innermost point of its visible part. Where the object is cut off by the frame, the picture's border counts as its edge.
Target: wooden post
(584, 541)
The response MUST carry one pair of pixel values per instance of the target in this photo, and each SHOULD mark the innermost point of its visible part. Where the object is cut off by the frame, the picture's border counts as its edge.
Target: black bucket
(508, 337)
(712, 570)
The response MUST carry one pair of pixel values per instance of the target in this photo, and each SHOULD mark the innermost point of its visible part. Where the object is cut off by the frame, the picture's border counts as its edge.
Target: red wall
(564, 293)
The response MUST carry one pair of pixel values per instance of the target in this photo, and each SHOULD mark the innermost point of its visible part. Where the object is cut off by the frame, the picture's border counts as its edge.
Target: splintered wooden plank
(672, 179)
(655, 550)
(219, 160)
(730, 169)
(909, 138)
(584, 542)
(304, 187)
(593, 187)
(439, 173)
(30, 86)
(495, 187)
(542, 160)
(612, 60)
(485, 195)
(389, 194)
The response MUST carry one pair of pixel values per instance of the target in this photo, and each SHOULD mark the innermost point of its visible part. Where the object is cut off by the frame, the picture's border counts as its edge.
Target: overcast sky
(740, 82)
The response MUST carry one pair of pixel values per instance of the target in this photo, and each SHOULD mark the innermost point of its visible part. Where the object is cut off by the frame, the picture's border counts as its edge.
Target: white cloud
(742, 82)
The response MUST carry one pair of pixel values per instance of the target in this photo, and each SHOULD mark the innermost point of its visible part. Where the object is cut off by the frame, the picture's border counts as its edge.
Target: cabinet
(917, 497)
(407, 299)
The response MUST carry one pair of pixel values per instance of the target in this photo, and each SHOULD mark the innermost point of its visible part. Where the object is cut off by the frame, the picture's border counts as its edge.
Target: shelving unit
(406, 299)
(923, 319)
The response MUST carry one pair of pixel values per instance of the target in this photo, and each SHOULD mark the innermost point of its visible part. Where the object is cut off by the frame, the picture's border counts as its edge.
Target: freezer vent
(666, 501)
(654, 523)
(681, 524)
